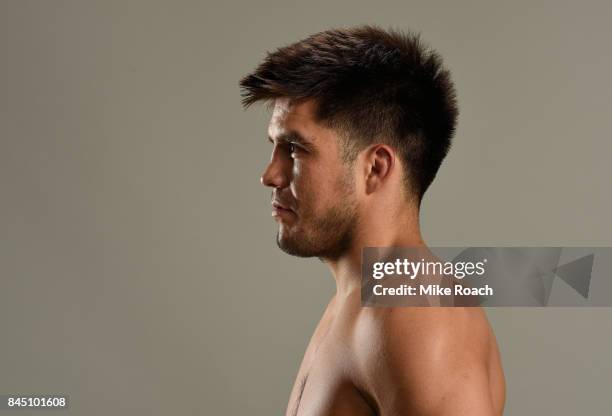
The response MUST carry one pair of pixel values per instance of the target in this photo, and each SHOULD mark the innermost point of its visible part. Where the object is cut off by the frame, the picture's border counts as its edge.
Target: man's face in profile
(313, 194)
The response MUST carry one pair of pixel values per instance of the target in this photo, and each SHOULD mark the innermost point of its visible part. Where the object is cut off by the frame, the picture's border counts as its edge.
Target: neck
(380, 229)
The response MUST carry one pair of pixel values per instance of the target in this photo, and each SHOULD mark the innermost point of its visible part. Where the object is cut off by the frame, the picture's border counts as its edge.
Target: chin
(290, 245)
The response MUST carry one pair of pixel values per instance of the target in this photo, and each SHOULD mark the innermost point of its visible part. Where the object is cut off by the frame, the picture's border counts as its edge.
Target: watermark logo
(486, 276)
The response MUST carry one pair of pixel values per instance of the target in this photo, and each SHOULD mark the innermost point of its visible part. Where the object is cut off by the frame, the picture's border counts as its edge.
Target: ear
(379, 164)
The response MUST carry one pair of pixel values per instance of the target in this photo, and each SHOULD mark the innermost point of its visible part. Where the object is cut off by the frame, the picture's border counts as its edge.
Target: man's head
(313, 192)
(348, 94)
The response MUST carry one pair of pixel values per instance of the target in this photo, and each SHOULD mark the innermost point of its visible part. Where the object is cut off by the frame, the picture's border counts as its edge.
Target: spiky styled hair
(372, 86)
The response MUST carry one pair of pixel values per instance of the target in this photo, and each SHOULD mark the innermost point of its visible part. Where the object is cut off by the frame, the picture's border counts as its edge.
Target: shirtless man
(362, 119)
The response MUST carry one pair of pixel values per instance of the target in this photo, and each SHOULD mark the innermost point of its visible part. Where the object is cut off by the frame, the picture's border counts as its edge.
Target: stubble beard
(328, 236)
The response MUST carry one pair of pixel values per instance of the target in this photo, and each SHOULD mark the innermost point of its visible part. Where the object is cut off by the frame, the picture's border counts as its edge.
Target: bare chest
(325, 385)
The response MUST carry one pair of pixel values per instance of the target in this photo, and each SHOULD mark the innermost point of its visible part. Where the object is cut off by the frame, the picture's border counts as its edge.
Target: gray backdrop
(139, 273)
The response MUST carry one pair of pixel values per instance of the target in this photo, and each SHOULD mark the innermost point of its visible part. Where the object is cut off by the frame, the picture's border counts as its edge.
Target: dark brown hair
(372, 86)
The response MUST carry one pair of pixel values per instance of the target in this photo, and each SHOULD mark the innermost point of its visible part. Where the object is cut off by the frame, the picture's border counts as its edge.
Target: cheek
(310, 185)
(302, 180)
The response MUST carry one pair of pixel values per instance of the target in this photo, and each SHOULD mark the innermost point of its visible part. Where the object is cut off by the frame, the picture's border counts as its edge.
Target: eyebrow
(291, 136)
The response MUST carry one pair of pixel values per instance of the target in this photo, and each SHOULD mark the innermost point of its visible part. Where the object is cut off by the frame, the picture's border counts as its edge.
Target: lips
(282, 212)
(277, 205)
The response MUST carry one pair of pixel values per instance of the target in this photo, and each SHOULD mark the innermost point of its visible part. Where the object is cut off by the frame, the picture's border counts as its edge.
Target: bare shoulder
(428, 328)
(432, 328)
(427, 360)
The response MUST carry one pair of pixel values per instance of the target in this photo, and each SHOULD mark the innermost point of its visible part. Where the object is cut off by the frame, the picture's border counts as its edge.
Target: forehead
(298, 117)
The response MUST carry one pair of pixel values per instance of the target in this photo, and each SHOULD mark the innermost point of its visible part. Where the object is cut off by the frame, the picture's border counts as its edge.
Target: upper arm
(433, 362)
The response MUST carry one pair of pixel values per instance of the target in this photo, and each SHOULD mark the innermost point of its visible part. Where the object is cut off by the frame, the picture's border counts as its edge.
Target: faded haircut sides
(372, 86)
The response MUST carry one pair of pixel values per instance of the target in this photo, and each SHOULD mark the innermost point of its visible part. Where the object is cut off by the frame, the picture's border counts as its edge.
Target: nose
(275, 175)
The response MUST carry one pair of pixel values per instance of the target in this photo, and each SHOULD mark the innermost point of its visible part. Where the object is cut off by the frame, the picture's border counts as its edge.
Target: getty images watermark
(487, 276)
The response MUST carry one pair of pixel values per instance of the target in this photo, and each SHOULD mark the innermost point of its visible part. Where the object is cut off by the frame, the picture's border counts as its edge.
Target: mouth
(281, 211)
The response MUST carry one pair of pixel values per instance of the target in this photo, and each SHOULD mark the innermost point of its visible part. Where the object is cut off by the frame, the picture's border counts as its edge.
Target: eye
(292, 148)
